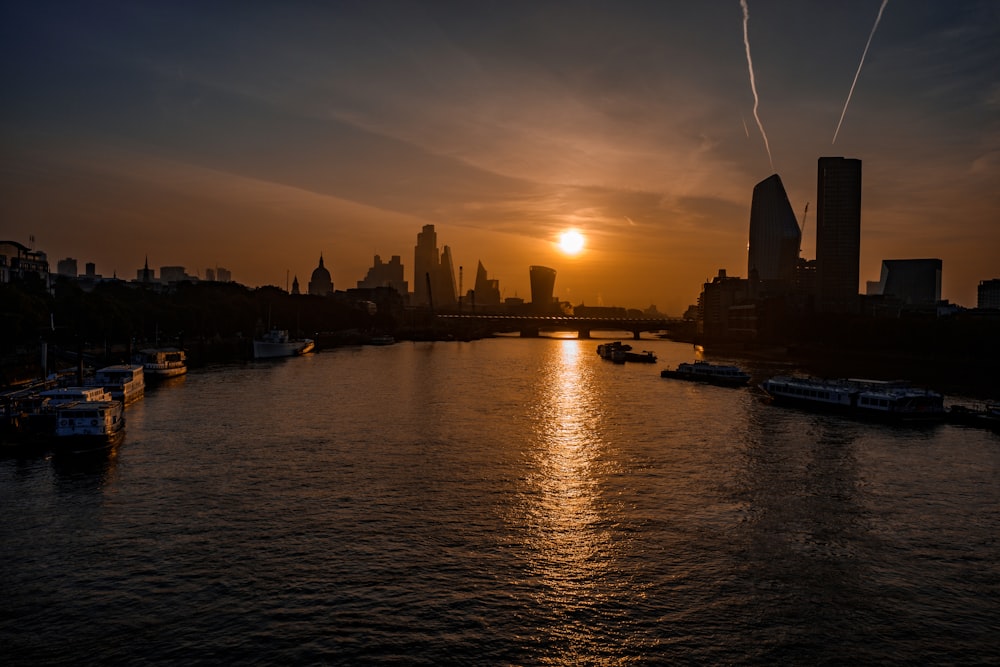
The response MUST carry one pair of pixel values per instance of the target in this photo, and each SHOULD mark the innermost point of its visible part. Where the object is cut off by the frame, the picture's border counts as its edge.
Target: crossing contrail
(856, 74)
(753, 83)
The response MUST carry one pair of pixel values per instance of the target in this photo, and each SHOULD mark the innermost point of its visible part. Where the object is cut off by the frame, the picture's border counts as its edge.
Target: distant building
(145, 274)
(724, 310)
(66, 267)
(383, 274)
(223, 275)
(320, 284)
(174, 274)
(913, 282)
(433, 273)
(838, 234)
(543, 282)
(486, 291)
(295, 285)
(988, 294)
(18, 262)
(775, 237)
(91, 270)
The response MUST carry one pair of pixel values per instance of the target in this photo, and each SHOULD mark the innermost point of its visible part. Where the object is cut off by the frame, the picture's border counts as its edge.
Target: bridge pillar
(635, 334)
(583, 334)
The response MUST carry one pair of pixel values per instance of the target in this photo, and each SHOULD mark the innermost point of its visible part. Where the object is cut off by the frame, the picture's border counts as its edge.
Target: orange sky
(255, 140)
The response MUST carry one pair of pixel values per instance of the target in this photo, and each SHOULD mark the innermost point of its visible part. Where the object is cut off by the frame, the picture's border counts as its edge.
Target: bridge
(529, 326)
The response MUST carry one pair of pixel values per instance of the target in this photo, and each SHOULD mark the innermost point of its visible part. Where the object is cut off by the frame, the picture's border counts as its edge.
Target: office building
(543, 282)
(838, 234)
(433, 272)
(67, 267)
(382, 274)
(988, 294)
(775, 237)
(486, 291)
(912, 282)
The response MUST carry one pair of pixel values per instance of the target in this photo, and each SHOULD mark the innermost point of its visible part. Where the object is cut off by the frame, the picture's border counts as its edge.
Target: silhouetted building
(724, 310)
(18, 262)
(145, 274)
(321, 284)
(295, 285)
(433, 273)
(67, 267)
(210, 275)
(838, 234)
(223, 275)
(486, 291)
(911, 281)
(91, 270)
(174, 274)
(775, 237)
(543, 282)
(385, 275)
(988, 294)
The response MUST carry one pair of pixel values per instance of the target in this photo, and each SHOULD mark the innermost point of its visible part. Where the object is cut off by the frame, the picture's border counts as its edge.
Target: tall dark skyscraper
(775, 237)
(428, 262)
(838, 234)
(543, 282)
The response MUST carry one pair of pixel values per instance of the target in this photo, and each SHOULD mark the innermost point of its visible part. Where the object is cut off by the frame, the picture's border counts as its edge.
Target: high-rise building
(543, 282)
(911, 281)
(67, 267)
(775, 237)
(838, 234)
(382, 274)
(988, 294)
(433, 273)
(486, 291)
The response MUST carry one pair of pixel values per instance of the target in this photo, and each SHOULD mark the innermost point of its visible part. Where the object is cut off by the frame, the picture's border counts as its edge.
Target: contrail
(753, 83)
(856, 74)
(745, 128)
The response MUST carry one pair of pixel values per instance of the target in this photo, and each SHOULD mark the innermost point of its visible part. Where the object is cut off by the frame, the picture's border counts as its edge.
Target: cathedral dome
(321, 282)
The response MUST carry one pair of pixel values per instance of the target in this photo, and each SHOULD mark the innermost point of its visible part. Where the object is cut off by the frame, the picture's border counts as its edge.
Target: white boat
(125, 382)
(89, 426)
(276, 343)
(864, 398)
(701, 371)
(66, 395)
(163, 362)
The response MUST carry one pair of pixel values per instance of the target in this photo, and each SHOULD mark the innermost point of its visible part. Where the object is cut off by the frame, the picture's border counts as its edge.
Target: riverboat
(644, 357)
(125, 382)
(88, 426)
(723, 375)
(276, 343)
(857, 397)
(615, 351)
(983, 416)
(163, 362)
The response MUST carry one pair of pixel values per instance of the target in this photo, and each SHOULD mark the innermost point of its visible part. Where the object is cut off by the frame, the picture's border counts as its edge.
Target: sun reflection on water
(569, 546)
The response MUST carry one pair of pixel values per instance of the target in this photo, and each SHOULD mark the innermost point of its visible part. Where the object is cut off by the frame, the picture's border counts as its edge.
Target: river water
(503, 501)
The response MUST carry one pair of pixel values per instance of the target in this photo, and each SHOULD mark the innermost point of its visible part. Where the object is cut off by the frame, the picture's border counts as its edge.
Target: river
(501, 501)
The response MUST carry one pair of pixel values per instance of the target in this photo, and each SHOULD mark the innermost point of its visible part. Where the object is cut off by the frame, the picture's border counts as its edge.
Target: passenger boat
(644, 357)
(125, 382)
(722, 375)
(276, 343)
(615, 351)
(88, 426)
(163, 362)
(383, 340)
(857, 397)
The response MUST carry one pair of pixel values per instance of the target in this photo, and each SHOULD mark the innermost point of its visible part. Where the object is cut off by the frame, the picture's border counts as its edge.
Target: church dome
(321, 282)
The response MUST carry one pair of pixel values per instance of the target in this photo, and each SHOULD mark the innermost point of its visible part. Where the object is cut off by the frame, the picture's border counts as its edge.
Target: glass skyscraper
(775, 237)
(838, 234)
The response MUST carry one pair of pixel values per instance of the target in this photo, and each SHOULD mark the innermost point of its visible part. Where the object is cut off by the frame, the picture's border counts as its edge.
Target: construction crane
(803, 227)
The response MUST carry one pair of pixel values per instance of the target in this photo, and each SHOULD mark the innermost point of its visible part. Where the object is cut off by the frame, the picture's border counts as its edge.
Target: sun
(571, 242)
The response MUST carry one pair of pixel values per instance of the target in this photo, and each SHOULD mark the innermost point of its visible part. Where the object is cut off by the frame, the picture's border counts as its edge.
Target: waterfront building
(775, 237)
(433, 272)
(18, 261)
(912, 282)
(543, 282)
(838, 234)
(320, 284)
(382, 274)
(988, 294)
(724, 308)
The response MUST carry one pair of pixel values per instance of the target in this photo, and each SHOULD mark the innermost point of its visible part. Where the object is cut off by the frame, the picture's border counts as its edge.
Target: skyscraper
(838, 234)
(775, 237)
(433, 274)
(543, 282)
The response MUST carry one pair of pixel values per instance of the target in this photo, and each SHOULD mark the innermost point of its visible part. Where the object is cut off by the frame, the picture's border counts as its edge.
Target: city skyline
(260, 138)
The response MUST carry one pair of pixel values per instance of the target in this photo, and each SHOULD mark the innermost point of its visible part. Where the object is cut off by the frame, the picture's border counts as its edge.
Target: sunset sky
(255, 136)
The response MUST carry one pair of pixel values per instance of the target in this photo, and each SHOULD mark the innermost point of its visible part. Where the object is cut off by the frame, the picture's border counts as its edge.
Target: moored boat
(983, 416)
(125, 382)
(644, 357)
(277, 343)
(723, 375)
(162, 363)
(88, 426)
(615, 351)
(857, 397)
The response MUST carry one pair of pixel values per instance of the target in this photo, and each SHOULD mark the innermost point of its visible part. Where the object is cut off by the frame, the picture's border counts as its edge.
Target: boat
(160, 363)
(723, 375)
(983, 416)
(88, 426)
(615, 351)
(276, 343)
(383, 340)
(125, 382)
(858, 397)
(644, 357)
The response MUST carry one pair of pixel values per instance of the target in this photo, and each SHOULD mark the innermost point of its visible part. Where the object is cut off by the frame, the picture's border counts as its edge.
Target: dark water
(504, 501)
